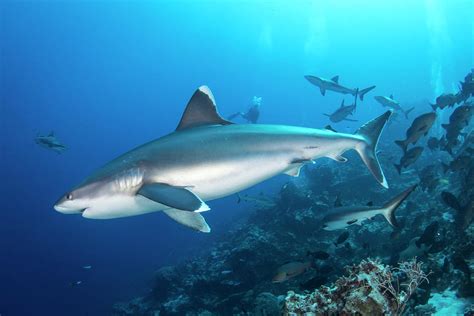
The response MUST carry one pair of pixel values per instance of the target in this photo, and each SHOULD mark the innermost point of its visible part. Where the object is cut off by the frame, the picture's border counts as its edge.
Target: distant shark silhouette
(206, 158)
(333, 85)
(391, 103)
(343, 112)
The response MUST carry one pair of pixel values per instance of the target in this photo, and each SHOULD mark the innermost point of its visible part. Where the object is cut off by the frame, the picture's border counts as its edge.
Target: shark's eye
(69, 196)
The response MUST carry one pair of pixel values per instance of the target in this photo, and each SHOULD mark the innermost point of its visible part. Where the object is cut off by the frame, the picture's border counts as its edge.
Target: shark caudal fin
(403, 144)
(399, 168)
(406, 112)
(388, 210)
(364, 91)
(370, 132)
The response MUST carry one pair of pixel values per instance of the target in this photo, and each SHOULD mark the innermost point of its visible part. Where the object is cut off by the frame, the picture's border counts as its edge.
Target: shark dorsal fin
(335, 79)
(342, 103)
(391, 96)
(201, 110)
(51, 134)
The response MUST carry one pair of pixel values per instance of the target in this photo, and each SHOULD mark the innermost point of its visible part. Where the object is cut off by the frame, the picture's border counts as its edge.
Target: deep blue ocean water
(107, 76)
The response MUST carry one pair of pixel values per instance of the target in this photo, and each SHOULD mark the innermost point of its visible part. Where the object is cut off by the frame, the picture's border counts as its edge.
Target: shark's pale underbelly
(208, 181)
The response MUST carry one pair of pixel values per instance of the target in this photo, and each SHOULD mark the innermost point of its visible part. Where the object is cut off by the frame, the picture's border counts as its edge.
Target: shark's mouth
(66, 210)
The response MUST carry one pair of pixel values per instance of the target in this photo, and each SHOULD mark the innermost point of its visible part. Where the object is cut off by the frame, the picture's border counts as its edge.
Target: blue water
(107, 76)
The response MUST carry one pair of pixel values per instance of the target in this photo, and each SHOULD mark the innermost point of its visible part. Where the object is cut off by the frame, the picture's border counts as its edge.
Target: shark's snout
(65, 206)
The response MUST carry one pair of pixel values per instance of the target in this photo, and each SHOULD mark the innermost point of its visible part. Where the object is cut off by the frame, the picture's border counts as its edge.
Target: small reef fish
(318, 255)
(445, 100)
(419, 127)
(290, 270)
(75, 283)
(409, 158)
(342, 238)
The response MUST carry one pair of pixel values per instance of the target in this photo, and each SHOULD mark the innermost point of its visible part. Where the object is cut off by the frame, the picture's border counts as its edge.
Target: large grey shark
(206, 158)
(343, 217)
(333, 85)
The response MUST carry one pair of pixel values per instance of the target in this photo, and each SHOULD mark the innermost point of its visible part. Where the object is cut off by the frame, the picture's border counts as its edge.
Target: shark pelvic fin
(201, 110)
(190, 219)
(294, 171)
(295, 166)
(175, 197)
(338, 158)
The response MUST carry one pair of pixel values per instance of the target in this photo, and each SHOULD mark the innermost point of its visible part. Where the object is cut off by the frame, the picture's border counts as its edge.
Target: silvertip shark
(333, 85)
(342, 217)
(206, 158)
(391, 103)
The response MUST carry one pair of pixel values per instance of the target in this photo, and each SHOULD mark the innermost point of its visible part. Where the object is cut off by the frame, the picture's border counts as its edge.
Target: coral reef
(370, 289)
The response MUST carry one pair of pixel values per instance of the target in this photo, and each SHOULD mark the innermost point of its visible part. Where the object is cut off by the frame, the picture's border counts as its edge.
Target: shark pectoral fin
(323, 91)
(175, 197)
(190, 219)
(294, 171)
(350, 120)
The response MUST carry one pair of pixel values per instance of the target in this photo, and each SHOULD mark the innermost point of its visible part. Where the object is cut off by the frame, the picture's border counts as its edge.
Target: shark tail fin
(388, 210)
(370, 132)
(402, 144)
(364, 91)
(399, 168)
(406, 112)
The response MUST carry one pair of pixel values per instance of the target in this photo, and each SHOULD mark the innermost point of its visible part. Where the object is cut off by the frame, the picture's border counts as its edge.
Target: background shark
(206, 158)
(50, 142)
(392, 104)
(343, 112)
(343, 217)
(333, 85)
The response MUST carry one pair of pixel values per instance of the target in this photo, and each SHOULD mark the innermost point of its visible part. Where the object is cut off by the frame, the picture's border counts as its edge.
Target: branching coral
(370, 289)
